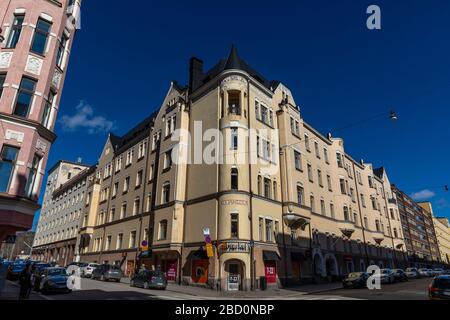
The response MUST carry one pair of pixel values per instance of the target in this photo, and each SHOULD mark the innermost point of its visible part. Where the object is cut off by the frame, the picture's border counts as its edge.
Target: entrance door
(296, 270)
(170, 268)
(234, 278)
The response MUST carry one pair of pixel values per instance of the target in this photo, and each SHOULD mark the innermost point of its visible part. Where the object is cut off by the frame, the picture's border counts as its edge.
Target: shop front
(168, 262)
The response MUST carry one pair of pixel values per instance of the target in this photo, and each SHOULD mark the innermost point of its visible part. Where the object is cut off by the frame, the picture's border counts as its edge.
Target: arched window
(234, 102)
(162, 230)
(234, 179)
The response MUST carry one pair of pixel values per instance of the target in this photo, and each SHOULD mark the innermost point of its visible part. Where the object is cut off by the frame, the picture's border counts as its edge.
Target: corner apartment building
(285, 203)
(418, 230)
(61, 213)
(442, 231)
(34, 55)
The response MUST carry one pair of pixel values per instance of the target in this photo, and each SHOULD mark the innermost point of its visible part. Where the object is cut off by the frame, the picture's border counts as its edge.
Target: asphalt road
(415, 289)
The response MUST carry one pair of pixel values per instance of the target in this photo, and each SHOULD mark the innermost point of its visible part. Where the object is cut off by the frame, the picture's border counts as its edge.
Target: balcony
(392, 201)
(295, 221)
(347, 228)
(378, 237)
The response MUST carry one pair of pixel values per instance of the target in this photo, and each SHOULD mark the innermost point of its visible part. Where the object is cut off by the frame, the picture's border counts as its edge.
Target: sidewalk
(11, 292)
(269, 293)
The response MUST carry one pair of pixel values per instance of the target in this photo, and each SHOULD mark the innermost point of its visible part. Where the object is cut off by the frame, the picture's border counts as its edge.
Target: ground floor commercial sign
(234, 247)
(233, 282)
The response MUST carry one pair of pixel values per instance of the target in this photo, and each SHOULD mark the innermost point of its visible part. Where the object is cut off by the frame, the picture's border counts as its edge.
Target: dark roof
(379, 172)
(234, 61)
(134, 135)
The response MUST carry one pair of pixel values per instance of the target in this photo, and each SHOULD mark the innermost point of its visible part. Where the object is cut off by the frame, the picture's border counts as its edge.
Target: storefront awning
(270, 256)
(199, 254)
(297, 256)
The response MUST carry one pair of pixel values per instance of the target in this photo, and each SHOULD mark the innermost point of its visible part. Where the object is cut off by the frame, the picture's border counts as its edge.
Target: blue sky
(125, 56)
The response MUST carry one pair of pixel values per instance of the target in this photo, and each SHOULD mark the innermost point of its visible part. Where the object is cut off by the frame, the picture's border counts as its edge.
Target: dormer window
(234, 102)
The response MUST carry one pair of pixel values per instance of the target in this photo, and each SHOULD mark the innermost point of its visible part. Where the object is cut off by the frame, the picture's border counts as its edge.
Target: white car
(412, 273)
(87, 271)
(424, 272)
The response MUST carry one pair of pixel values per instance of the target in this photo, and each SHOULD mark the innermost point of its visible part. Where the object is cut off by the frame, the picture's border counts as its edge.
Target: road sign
(208, 239)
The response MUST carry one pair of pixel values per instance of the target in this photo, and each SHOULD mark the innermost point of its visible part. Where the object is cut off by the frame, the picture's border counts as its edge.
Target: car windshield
(355, 275)
(56, 272)
(442, 283)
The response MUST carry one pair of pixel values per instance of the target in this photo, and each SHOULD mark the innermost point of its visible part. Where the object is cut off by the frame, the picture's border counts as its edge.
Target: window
(112, 213)
(234, 225)
(234, 139)
(346, 214)
(261, 229)
(374, 203)
(366, 223)
(24, 97)
(275, 192)
(395, 233)
(41, 34)
(269, 230)
(234, 179)
(298, 160)
(265, 114)
(149, 203)
(377, 225)
(300, 195)
(162, 230)
(332, 210)
(108, 243)
(342, 184)
(325, 155)
(2, 82)
(310, 174)
(118, 164)
(234, 106)
(132, 243)
(142, 149)
(8, 159)
(32, 176)
(61, 50)
(123, 210)
(126, 185)
(155, 140)
(363, 200)
(170, 125)
(166, 193)
(352, 194)
(136, 206)
(322, 207)
(319, 175)
(16, 30)
(329, 183)
(307, 143)
(316, 148)
(129, 159)
(370, 182)
(313, 203)
(47, 109)
(340, 160)
(139, 179)
(115, 188)
(119, 241)
(168, 160)
(267, 187)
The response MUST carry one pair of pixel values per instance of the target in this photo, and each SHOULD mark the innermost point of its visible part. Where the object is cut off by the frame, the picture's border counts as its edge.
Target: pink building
(35, 44)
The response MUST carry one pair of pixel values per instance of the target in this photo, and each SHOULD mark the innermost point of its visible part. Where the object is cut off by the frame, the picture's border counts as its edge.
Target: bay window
(8, 158)
(41, 34)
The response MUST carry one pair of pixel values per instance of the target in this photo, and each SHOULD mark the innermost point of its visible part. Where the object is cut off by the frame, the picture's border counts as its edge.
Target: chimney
(195, 73)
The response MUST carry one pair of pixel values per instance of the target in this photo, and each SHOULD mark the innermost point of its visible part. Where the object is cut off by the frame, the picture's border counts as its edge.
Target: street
(98, 290)
(416, 289)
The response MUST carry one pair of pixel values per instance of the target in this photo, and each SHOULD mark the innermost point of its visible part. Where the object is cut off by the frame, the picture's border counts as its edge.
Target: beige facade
(283, 204)
(442, 230)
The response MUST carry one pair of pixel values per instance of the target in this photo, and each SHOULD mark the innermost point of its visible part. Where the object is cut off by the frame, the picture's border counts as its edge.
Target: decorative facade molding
(34, 65)
(5, 59)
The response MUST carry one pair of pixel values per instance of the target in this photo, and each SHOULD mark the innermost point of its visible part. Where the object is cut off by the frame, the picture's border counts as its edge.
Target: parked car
(438, 272)
(36, 277)
(440, 288)
(149, 279)
(87, 270)
(400, 275)
(78, 264)
(106, 272)
(412, 273)
(355, 280)
(386, 276)
(446, 272)
(424, 272)
(54, 279)
(14, 270)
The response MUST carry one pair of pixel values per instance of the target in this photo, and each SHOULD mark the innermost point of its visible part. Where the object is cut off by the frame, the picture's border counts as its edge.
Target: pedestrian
(25, 282)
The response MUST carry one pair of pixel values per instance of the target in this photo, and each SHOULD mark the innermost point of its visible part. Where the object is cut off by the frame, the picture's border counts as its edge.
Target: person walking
(25, 283)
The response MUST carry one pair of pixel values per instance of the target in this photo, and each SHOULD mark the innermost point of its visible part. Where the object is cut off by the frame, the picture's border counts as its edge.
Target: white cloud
(423, 195)
(84, 119)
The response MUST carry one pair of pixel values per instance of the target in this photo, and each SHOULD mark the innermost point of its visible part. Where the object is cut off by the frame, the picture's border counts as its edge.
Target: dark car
(400, 275)
(14, 270)
(355, 280)
(54, 280)
(440, 288)
(36, 277)
(149, 279)
(106, 272)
